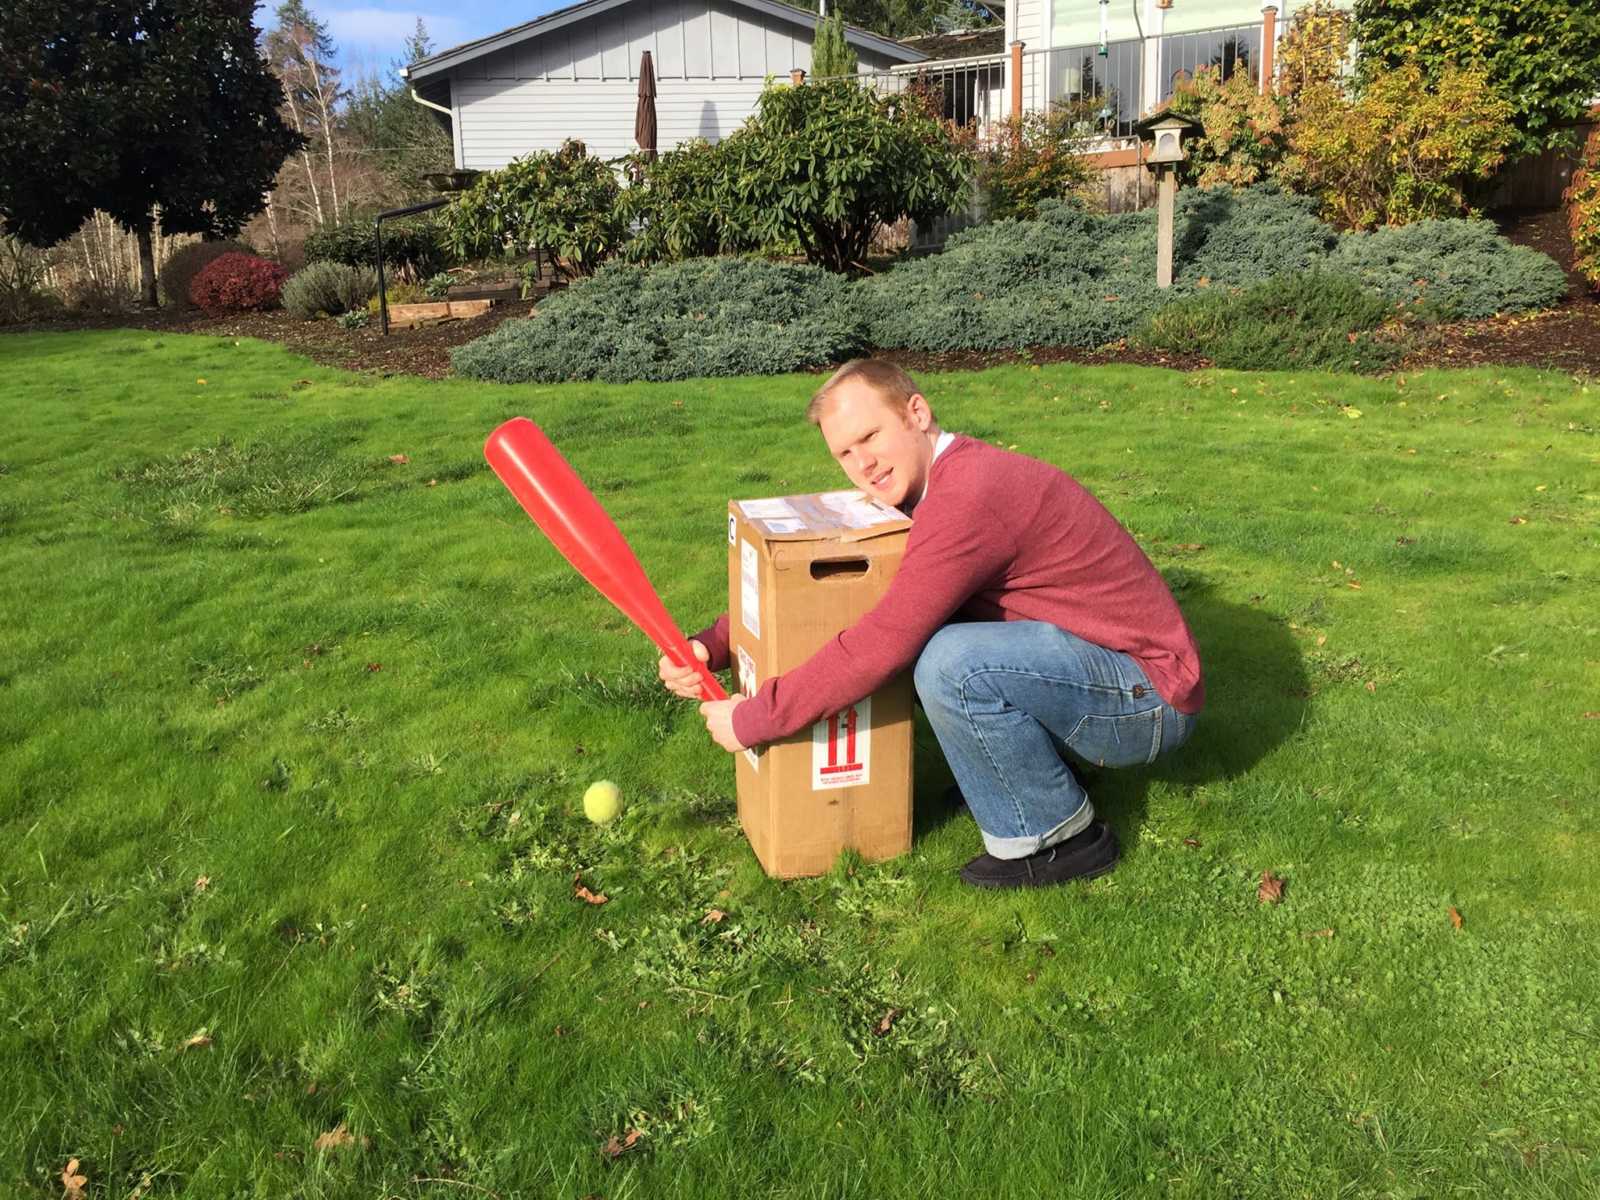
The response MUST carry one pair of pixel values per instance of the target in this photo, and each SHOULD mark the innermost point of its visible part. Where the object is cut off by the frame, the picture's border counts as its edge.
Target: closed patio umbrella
(644, 121)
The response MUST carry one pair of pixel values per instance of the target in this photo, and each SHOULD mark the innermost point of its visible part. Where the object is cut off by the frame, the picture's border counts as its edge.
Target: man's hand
(684, 681)
(719, 723)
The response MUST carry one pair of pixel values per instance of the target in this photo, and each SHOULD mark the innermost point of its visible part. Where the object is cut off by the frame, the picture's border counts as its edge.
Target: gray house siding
(711, 58)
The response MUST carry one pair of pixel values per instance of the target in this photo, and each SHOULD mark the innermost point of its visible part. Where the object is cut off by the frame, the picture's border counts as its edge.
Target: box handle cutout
(839, 568)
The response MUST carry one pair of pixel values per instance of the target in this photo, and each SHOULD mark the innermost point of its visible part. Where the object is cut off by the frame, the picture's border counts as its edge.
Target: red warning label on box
(841, 748)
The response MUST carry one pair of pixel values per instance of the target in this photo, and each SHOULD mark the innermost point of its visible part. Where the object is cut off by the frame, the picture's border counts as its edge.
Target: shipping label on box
(801, 570)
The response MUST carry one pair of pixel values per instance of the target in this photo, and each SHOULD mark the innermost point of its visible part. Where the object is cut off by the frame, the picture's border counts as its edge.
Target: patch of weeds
(335, 720)
(277, 778)
(709, 807)
(896, 1021)
(279, 473)
(637, 689)
(225, 677)
(515, 916)
(182, 952)
(408, 988)
(140, 1043)
(756, 1051)
(318, 933)
(671, 1116)
(868, 893)
(692, 954)
(426, 765)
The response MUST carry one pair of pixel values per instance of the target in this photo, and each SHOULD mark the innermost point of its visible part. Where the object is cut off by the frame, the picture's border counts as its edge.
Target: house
(575, 73)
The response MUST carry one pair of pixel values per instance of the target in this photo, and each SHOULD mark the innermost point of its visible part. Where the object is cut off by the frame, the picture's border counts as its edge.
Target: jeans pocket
(1122, 741)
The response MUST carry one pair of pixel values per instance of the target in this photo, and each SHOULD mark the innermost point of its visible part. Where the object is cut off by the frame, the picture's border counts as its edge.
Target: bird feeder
(1165, 135)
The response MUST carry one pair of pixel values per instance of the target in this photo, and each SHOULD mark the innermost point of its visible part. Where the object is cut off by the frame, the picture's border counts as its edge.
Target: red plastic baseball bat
(550, 491)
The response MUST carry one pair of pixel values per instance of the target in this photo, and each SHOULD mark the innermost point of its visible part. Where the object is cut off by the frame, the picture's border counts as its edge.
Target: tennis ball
(602, 802)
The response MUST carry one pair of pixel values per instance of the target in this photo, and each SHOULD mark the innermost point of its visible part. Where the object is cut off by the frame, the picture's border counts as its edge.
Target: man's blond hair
(889, 381)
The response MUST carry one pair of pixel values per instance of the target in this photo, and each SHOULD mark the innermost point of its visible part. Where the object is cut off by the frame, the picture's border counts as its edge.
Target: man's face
(886, 453)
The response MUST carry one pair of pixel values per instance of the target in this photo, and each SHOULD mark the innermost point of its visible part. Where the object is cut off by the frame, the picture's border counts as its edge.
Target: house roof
(444, 60)
(960, 43)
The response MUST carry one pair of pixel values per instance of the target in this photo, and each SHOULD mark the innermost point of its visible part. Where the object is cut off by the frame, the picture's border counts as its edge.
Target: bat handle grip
(683, 655)
(710, 689)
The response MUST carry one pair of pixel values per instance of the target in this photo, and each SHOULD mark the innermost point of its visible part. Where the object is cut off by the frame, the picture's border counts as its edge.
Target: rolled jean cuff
(1021, 847)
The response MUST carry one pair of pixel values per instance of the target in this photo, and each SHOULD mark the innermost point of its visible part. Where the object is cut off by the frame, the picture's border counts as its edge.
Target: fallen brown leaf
(374, 667)
(197, 1040)
(1371, 687)
(1191, 547)
(72, 1181)
(616, 1147)
(1455, 917)
(584, 894)
(1517, 521)
(1271, 889)
(399, 460)
(1354, 584)
(714, 916)
(1591, 716)
(1192, 842)
(433, 483)
(889, 1018)
(338, 1138)
(1322, 933)
(202, 883)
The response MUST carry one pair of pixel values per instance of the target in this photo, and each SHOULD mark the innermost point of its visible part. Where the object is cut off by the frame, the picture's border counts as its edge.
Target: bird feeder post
(1164, 134)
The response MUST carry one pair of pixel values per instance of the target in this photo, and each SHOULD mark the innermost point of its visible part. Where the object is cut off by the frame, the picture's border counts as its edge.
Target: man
(1036, 625)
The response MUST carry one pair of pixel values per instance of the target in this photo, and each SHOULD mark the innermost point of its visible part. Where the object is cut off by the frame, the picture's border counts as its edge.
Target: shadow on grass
(1256, 688)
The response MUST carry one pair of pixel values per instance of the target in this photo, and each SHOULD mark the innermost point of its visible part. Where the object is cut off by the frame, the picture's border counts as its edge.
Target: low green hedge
(1068, 278)
(413, 247)
(1459, 268)
(1310, 319)
(1075, 278)
(706, 316)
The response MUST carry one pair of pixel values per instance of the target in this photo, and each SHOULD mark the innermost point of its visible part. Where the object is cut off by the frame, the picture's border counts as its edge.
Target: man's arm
(714, 637)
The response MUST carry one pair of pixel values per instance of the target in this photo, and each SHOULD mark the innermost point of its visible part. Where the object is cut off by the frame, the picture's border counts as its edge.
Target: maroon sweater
(997, 537)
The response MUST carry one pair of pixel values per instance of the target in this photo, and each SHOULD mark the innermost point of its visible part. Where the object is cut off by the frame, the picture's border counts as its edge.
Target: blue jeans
(1008, 698)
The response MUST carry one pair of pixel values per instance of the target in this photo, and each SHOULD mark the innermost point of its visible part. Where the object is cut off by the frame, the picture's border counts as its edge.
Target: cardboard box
(802, 569)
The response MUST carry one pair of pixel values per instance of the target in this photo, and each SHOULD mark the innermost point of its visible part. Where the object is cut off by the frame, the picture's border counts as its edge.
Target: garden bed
(1567, 338)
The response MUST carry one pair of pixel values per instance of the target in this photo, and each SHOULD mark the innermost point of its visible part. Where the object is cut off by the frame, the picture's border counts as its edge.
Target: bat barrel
(554, 495)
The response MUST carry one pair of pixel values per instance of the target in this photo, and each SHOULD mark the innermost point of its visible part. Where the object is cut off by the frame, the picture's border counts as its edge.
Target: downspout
(412, 92)
(429, 103)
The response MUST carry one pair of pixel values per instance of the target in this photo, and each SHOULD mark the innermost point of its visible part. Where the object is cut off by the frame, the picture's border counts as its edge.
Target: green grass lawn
(293, 738)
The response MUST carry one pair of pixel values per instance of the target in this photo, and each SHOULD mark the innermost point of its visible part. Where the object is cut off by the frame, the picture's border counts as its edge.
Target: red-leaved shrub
(237, 282)
(1583, 212)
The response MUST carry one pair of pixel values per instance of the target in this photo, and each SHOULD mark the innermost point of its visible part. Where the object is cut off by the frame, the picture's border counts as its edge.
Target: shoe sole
(996, 885)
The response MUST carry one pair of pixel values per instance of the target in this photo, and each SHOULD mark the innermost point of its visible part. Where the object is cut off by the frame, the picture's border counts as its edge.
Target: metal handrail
(377, 230)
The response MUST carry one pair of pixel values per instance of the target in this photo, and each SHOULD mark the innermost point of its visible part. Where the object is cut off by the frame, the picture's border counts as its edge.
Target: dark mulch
(404, 352)
(1567, 338)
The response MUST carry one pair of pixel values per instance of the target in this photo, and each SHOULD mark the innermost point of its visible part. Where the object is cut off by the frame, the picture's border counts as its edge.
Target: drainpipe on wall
(405, 73)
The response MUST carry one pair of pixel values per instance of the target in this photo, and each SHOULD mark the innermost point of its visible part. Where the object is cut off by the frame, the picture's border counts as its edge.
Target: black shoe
(1082, 856)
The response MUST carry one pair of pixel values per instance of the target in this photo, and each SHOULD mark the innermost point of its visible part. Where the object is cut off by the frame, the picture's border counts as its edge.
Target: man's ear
(920, 413)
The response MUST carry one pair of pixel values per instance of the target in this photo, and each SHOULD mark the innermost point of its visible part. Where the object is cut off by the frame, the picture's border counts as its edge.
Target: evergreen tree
(131, 107)
(831, 56)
